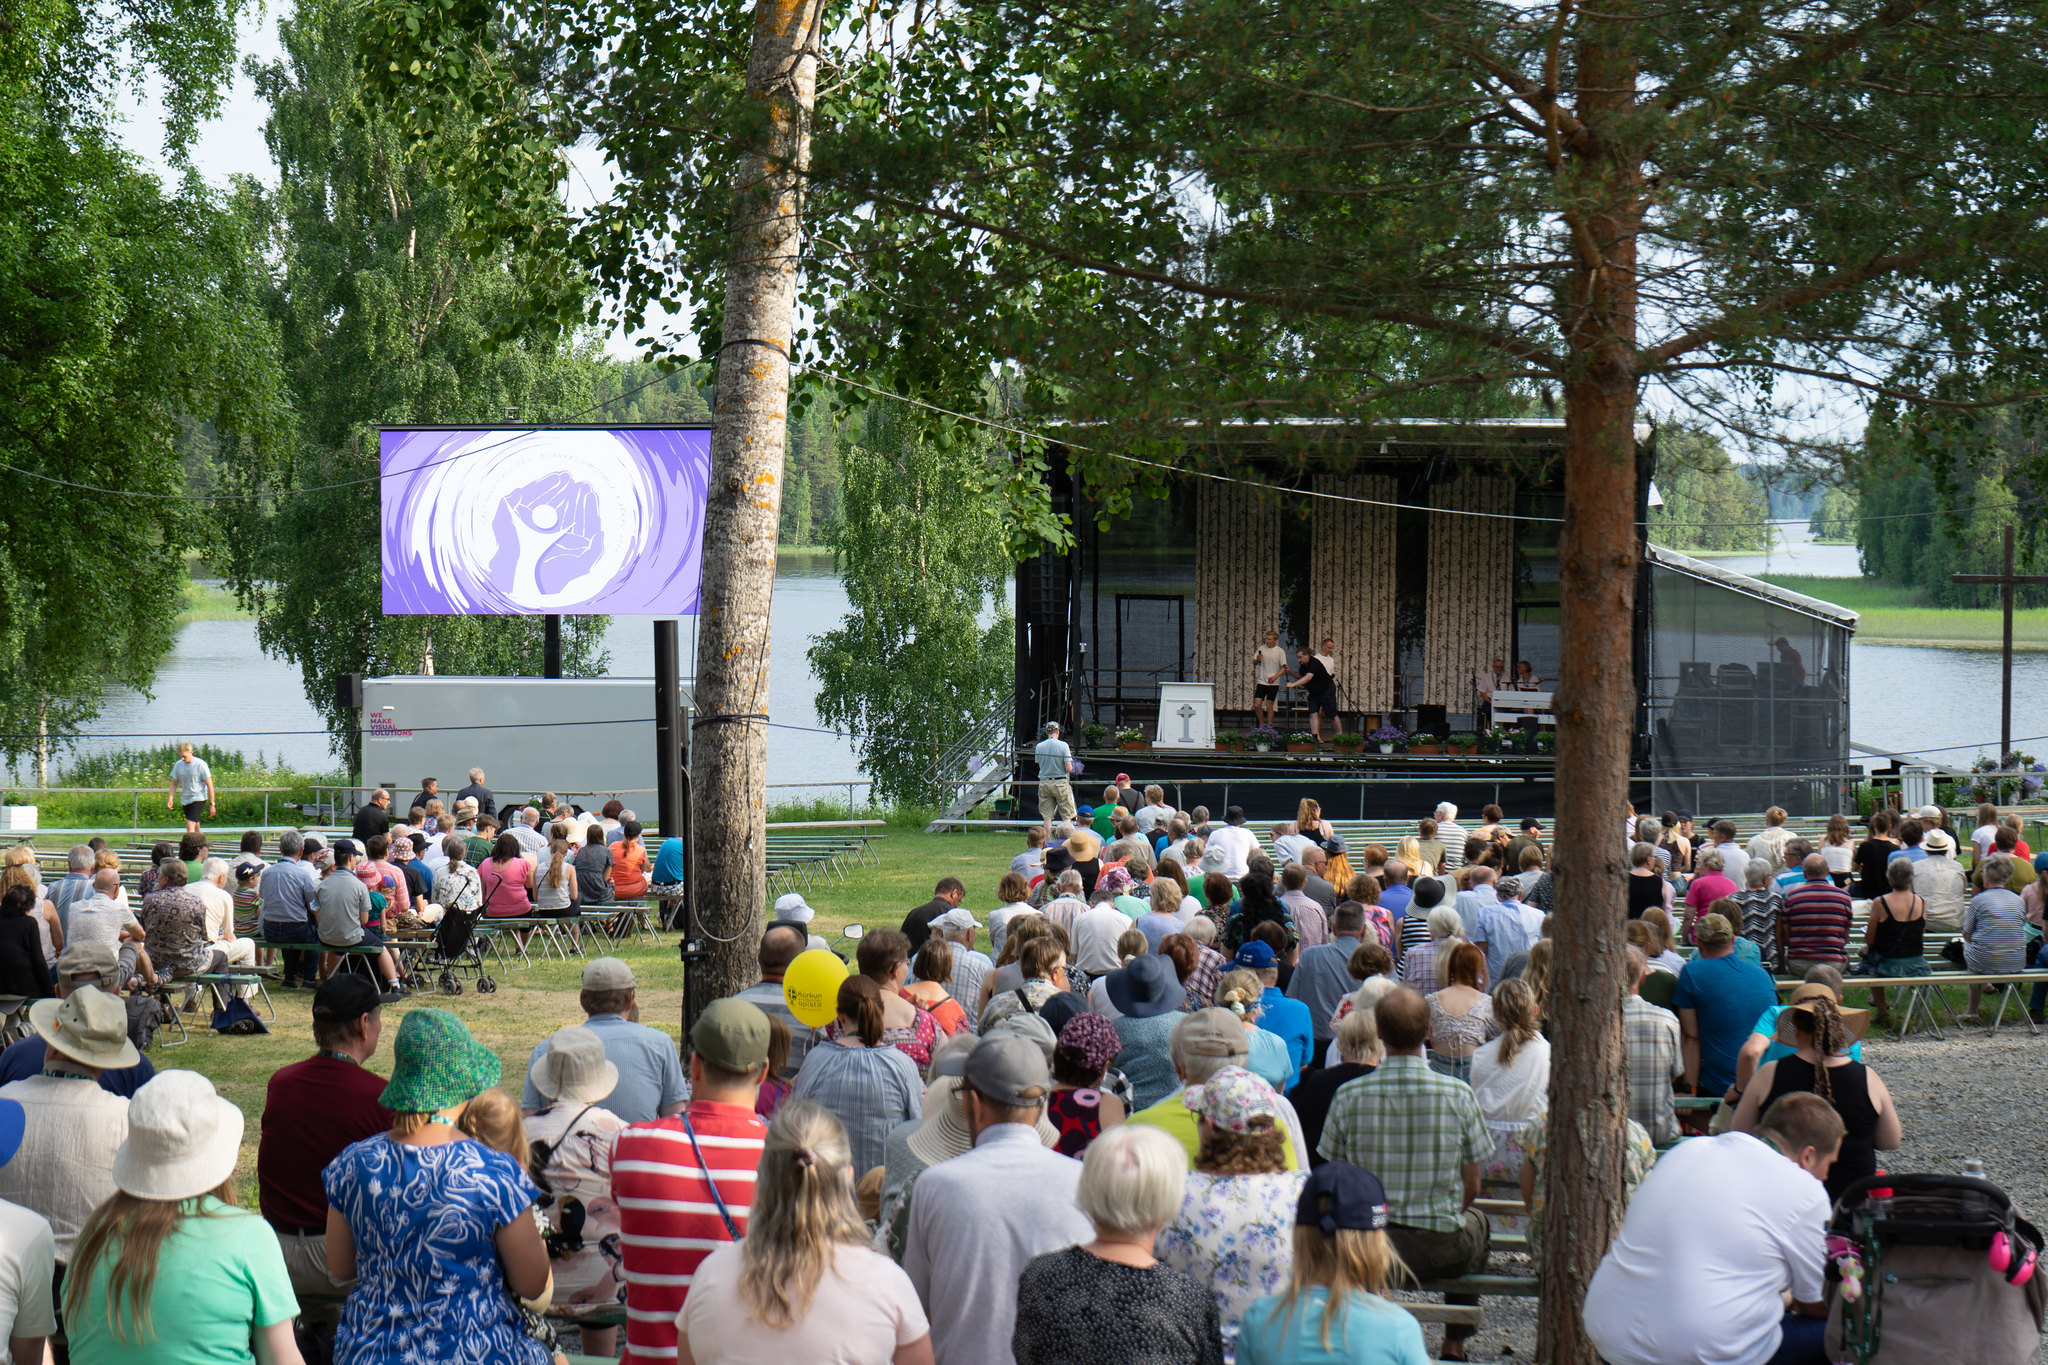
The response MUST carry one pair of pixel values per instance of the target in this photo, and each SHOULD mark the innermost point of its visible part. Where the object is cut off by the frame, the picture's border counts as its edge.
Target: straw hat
(182, 1141)
(88, 1026)
(573, 1069)
(436, 1064)
(1083, 844)
(944, 1132)
(1799, 1013)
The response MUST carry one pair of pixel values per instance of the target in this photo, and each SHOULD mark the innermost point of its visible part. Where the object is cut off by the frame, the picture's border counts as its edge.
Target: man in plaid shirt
(1423, 1135)
(1651, 1037)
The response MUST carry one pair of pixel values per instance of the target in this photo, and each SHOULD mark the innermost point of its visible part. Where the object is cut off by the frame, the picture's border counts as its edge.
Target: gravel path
(1969, 1095)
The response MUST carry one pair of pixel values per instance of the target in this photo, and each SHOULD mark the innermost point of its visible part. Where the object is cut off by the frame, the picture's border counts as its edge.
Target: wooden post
(2007, 581)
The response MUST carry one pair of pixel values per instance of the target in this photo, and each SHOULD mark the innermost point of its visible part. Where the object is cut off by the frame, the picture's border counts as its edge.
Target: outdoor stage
(1425, 550)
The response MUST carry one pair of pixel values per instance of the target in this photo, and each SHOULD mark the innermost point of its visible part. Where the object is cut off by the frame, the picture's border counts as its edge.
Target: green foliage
(920, 547)
(1835, 518)
(149, 769)
(1936, 498)
(386, 318)
(131, 325)
(1708, 503)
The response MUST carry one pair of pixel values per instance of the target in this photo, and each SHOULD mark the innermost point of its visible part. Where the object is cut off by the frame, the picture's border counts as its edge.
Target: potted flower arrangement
(1350, 742)
(1387, 736)
(1426, 744)
(1230, 741)
(1301, 742)
(1263, 738)
(1463, 742)
(1546, 742)
(1092, 735)
(1130, 739)
(1490, 740)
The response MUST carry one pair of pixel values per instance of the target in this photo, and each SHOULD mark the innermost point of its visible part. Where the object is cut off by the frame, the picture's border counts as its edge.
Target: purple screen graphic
(501, 522)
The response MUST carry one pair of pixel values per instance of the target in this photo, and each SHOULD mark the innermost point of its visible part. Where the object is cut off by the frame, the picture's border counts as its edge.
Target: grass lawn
(532, 1002)
(1895, 615)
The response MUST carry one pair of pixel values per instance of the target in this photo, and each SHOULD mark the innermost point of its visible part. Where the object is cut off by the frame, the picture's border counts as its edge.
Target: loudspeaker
(348, 691)
(1432, 720)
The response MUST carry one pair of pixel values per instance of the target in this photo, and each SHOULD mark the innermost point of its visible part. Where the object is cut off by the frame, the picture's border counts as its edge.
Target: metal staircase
(979, 764)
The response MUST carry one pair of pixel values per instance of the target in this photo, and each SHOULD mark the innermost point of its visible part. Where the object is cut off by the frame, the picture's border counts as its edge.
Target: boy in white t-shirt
(1718, 1232)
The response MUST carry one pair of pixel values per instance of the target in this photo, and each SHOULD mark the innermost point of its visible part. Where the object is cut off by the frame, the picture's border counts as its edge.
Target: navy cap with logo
(1255, 955)
(1341, 1195)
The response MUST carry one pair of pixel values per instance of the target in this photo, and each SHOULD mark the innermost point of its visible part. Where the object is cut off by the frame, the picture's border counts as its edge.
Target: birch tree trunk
(728, 748)
(1598, 553)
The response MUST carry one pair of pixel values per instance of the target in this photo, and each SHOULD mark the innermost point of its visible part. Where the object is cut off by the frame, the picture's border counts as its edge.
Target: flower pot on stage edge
(1387, 747)
(1131, 739)
(1263, 738)
(1301, 742)
(1229, 741)
(1301, 748)
(1423, 748)
(1093, 735)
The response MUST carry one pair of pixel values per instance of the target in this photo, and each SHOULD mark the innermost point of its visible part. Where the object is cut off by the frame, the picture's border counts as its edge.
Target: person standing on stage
(1495, 680)
(1269, 665)
(1328, 654)
(1322, 693)
(1055, 789)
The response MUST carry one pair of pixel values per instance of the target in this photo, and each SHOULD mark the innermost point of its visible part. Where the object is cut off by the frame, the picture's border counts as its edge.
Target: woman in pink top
(507, 880)
(1709, 886)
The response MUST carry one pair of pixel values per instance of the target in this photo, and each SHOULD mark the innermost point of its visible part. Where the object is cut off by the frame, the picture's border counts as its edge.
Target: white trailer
(585, 739)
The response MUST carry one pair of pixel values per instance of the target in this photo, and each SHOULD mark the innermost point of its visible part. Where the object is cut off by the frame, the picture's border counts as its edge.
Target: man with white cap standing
(976, 1220)
(651, 1083)
(74, 1128)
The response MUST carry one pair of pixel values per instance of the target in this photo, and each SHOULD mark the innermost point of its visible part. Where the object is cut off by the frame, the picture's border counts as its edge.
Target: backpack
(146, 1014)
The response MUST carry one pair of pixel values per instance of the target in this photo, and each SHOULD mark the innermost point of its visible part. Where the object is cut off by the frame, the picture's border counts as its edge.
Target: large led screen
(513, 522)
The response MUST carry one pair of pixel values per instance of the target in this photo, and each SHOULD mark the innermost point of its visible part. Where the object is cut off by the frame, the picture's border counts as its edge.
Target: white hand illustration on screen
(555, 521)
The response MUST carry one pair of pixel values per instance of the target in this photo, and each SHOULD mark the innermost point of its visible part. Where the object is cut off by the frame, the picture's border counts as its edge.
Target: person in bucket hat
(1234, 1229)
(433, 1226)
(1344, 1263)
(211, 1284)
(74, 1127)
(572, 1140)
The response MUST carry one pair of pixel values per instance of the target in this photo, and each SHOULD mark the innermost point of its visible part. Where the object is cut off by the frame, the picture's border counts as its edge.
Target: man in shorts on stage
(1269, 665)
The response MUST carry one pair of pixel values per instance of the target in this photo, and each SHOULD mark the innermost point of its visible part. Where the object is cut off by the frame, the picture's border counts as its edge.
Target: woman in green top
(229, 1297)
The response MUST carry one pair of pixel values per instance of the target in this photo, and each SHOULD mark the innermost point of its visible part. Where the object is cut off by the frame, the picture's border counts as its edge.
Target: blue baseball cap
(1341, 1195)
(1084, 810)
(1255, 955)
(13, 1123)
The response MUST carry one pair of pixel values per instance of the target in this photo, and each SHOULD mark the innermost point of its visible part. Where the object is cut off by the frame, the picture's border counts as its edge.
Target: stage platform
(1376, 786)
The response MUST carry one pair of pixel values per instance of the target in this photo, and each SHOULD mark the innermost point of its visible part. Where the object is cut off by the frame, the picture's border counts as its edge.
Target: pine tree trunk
(1598, 555)
(728, 748)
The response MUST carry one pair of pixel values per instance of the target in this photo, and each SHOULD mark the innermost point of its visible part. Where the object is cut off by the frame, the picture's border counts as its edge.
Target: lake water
(216, 659)
(1938, 703)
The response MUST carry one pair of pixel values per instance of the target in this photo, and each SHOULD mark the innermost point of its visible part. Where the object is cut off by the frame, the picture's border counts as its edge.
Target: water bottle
(1878, 1199)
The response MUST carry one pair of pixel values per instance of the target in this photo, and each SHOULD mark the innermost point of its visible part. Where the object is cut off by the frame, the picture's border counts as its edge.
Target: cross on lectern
(1187, 714)
(2007, 581)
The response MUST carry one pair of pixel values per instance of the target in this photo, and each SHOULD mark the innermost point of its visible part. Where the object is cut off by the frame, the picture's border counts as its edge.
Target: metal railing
(135, 811)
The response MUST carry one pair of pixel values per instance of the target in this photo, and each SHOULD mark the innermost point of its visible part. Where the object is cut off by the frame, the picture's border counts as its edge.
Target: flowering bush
(1387, 734)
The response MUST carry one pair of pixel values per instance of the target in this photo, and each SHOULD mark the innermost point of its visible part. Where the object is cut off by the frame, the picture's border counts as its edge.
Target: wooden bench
(1924, 993)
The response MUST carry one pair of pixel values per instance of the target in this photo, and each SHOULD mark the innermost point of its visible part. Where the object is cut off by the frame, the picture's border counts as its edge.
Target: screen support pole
(551, 647)
(672, 803)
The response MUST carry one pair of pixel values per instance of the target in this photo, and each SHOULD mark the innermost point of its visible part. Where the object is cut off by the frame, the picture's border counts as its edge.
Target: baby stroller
(457, 950)
(1933, 1267)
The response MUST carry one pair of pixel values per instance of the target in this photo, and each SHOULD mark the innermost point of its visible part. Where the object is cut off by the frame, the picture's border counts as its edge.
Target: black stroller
(1933, 1267)
(457, 950)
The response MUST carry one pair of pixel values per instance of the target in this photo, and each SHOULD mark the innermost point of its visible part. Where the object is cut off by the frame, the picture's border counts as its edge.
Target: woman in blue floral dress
(433, 1225)
(1235, 1231)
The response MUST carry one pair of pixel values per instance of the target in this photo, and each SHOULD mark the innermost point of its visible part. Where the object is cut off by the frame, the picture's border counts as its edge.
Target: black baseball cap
(1531, 822)
(343, 997)
(346, 848)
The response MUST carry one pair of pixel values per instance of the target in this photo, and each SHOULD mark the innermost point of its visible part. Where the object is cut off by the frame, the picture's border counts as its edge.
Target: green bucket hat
(436, 1064)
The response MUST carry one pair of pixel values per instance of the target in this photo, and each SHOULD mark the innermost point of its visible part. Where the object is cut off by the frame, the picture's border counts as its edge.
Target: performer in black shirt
(1322, 692)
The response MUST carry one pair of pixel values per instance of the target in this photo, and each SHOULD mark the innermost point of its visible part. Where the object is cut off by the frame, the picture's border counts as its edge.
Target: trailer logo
(568, 521)
(383, 727)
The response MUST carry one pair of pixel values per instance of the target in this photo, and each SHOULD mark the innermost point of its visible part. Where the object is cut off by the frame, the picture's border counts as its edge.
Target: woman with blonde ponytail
(1821, 1032)
(804, 1285)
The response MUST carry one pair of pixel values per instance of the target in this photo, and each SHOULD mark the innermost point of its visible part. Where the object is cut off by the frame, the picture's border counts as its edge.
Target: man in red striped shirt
(684, 1183)
(1815, 920)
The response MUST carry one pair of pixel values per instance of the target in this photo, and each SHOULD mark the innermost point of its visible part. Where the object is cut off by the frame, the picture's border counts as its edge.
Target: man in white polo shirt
(1718, 1233)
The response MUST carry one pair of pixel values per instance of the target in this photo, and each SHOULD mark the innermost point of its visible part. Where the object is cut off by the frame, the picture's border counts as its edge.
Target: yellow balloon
(811, 987)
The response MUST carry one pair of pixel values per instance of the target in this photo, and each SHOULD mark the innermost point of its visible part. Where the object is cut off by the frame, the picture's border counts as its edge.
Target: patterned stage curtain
(1468, 616)
(1237, 588)
(1351, 587)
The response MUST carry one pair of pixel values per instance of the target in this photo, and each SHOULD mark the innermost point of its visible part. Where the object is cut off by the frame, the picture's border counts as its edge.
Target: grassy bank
(205, 602)
(150, 769)
(1897, 615)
